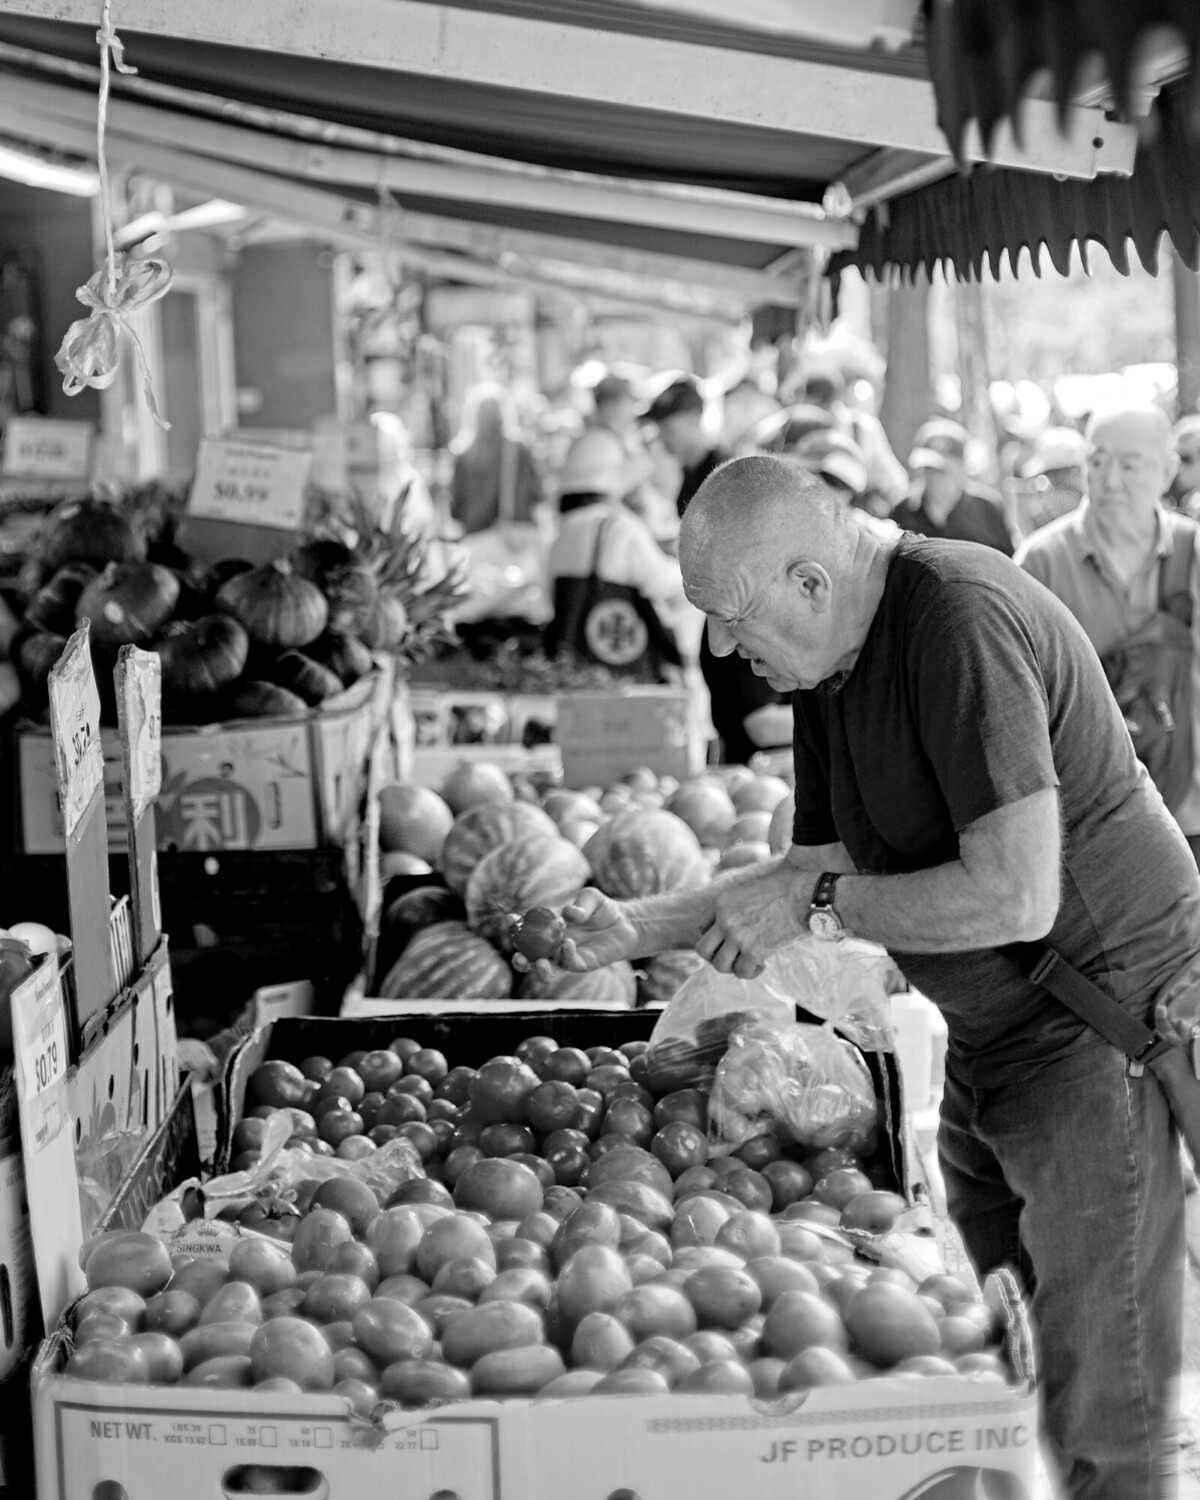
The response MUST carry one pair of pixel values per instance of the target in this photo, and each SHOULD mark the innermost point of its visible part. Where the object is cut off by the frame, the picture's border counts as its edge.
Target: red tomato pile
(572, 1236)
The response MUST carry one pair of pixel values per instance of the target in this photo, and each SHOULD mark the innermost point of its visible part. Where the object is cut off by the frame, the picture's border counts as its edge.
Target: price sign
(37, 448)
(249, 483)
(75, 725)
(40, 1031)
(141, 707)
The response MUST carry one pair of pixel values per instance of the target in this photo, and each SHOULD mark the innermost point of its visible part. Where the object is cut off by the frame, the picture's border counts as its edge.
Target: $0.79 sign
(75, 723)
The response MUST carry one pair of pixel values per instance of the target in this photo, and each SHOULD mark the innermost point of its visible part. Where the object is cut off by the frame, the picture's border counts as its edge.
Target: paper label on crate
(250, 484)
(43, 1048)
(75, 725)
(141, 706)
(41, 449)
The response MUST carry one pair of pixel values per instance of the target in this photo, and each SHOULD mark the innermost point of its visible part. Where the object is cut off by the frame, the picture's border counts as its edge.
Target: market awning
(625, 108)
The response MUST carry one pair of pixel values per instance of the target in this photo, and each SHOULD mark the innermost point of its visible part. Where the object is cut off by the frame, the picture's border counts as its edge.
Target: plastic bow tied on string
(91, 350)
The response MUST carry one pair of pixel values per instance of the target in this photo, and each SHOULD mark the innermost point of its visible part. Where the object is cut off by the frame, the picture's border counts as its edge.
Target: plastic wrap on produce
(694, 1030)
(846, 982)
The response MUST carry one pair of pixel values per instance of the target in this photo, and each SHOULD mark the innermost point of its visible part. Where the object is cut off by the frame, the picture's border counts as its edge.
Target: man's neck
(872, 558)
(1126, 537)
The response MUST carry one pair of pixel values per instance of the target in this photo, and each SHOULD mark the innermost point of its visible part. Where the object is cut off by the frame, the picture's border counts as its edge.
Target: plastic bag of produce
(847, 982)
(796, 1080)
(693, 1031)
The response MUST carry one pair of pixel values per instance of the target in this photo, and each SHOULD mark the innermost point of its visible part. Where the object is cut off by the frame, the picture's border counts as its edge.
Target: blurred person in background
(615, 408)
(678, 414)
(841, 464)
(943, 503)
(746, 407)
(614, 590)
(1184, 492)
(887, 479)
(492, 463)
(1054, 478)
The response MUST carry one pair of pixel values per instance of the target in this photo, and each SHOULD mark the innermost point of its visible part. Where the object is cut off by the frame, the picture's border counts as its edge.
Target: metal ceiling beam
(621, 69)
(722, 214)
(349, 223)
(849, 23)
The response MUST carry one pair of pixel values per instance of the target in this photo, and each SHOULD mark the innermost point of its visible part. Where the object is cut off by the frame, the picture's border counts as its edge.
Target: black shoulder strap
(601, 532)
(1175, 576)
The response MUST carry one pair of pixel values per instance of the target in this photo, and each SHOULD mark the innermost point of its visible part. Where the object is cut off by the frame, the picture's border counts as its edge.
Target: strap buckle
(1044, 965)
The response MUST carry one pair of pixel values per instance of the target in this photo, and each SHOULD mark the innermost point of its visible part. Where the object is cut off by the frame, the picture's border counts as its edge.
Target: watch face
(824, 924)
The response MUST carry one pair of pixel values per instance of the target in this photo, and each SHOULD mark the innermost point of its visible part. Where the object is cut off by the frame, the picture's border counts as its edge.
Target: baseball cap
(834, 456)
(611, 387)
(597, 464)
(1058, 448)
(679, 396)
(935, 442)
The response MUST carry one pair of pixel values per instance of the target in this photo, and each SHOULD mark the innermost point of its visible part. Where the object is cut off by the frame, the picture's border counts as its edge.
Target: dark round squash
(483, 828)
(344, 654)
(448, 962)
(262, 700)
(201, 656)
(386, 626)
(307, 679)
(91, 531)
(33, 653)
(52, 608)
(275, 606)
(350, 589)
(128, 603)
(614, 985)
(523, 873)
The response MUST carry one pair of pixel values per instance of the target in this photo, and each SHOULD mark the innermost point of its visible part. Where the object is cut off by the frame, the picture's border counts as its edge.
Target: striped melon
(645, 852)
(664, 974)
(525, 872)
(614, 985)
(448, 962)
(481, 829)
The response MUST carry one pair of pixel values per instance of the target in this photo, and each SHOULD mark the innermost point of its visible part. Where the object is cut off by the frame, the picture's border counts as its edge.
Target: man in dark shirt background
(944, 503)
(678, 413)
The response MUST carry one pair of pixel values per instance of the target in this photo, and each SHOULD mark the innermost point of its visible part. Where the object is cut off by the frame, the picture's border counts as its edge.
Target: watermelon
(481, 829)
(645, 852)
(664, 974)
(448, 962)
(525, 872)
(706, 808)
(415, 819)
(410, 914)
(763, 794)
(475, 782)
(614, 985)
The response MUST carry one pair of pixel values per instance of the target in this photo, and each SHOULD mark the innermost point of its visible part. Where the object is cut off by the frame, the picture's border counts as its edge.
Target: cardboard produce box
(253, 784)
(602, 736)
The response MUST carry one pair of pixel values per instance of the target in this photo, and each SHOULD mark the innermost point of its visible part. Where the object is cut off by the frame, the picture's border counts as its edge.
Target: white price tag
(46, 1054)
(75, 722)
(35, 447)
(40, 1031)
(251, 484)
(142, 708)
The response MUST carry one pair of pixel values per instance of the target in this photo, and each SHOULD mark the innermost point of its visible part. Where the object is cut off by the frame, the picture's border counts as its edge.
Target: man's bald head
(761, 511)
(1149, 421)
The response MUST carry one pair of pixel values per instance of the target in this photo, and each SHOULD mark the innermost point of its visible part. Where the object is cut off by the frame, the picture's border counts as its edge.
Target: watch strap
(824, 892)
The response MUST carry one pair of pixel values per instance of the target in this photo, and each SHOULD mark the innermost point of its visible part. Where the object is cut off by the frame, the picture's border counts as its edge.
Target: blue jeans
(1071, 1175)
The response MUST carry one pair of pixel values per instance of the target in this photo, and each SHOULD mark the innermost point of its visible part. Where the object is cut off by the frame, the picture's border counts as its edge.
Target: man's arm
(1003, 888)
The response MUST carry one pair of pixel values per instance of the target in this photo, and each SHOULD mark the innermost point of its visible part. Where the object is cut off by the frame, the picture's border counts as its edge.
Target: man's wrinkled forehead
(718, 587)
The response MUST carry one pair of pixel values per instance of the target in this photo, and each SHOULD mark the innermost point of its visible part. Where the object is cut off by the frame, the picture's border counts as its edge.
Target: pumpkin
(350, 589)
(91, 531)
(645, 852)
(129, 603)
(614, 985)
(481, 829)
(342, 653)
(525, 872)
(410, 914)
(263, 700)
(448, 962)
(307, 679)
(52, 608)
(386, 626)
(705, 806)
(201, 656)
(193, 600)
(413, 818)
(472, 782)
(33, 653)
(274, 606)
(663, 975)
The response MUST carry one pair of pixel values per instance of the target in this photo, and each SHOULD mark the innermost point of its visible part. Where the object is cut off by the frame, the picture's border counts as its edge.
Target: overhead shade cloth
(979, 217)
(981, 54)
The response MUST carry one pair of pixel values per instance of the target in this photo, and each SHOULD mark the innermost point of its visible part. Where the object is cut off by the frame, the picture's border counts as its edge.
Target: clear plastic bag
(797, 1080)
(693, 1031)
(847, 982)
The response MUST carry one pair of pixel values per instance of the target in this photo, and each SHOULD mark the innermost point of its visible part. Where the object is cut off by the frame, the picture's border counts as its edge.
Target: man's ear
(814, 583)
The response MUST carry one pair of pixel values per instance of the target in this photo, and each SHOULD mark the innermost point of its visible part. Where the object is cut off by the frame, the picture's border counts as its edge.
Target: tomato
(594, 1279)
(278, 1084)
(537, 934)
(457, 1236)
(294, 1349)
(516, 1372)
(721, 1377)
(342, 1082)
(163, 1355)
(334, 1296)
(420, 1382)
(379, 1070)
(172, 1313)
(566, 1065)
(470, 1335)
(798, 1320)
(499, 1090)
(815, 1366)
(235, 1302)
(656, 1308)
(216, 1341)
(388, 1331)
(262, 1265)
(429, 1064)
(749, 1235)
(321, 1231)
(224, 1372)
(136, 1261)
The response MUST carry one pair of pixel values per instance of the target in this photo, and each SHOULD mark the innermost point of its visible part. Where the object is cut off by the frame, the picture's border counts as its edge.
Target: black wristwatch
(823, 920)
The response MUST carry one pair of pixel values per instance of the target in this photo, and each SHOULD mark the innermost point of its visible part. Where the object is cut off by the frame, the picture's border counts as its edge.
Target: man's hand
(598, 932)
(755, 917)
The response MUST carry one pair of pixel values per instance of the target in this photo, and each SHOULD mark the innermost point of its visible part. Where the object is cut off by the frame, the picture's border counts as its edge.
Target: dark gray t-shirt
(974, 689)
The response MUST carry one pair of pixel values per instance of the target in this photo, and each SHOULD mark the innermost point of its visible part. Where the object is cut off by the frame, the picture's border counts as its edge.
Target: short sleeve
(813, 823)
(979, 698)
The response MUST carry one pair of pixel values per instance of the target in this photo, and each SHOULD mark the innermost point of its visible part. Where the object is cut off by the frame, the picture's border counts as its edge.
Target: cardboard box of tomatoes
(698, 1430)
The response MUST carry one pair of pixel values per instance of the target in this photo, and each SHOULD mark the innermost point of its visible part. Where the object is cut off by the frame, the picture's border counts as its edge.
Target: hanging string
(90, 351)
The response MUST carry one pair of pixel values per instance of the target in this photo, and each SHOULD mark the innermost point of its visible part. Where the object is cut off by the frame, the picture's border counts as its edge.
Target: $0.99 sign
(250, 484)
(75, 723)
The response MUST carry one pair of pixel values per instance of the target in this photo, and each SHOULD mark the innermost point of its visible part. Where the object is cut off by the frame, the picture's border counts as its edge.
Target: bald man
(965, 781)
(1113, 562)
